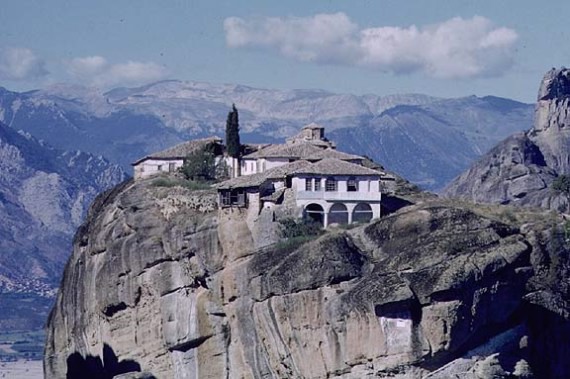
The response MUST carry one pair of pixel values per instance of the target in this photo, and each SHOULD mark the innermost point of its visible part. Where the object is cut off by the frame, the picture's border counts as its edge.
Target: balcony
(338, 196)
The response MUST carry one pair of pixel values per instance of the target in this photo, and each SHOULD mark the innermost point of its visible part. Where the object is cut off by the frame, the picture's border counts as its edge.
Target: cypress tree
(232, 133)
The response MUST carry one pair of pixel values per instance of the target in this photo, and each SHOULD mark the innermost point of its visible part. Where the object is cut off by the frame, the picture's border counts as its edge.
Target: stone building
(328, 191)
(326, 185)
(171, 159)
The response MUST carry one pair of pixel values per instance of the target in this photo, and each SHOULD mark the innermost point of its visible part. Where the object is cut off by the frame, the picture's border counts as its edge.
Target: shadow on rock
(90, 367)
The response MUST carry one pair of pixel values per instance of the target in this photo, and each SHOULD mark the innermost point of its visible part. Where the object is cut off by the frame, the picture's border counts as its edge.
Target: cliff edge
(162, 284)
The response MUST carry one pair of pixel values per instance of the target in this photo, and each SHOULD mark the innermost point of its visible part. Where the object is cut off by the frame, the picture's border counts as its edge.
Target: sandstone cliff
(521, 169)
(161, 284)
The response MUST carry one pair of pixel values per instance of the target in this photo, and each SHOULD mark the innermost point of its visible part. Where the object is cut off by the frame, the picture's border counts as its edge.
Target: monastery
(326, 185)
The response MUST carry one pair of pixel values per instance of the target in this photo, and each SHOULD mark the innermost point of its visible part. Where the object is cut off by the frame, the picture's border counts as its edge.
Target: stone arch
(362, 213)
(315, 212)
(338, 214)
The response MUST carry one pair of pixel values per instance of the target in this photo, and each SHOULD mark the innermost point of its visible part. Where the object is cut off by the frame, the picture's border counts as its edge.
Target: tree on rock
(200, 165)
(233, 145)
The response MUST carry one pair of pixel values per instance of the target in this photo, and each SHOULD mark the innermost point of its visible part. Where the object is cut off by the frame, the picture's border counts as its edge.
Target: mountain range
(443, 135)
(44, 195)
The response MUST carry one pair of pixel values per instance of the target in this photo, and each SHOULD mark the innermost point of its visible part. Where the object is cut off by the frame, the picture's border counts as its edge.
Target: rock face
(161, 284)
(521, 169)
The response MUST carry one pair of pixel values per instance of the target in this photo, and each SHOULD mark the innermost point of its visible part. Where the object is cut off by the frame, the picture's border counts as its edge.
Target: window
(230, 198)
(362, 213)
(317, 184)
(308, 184)
(330, 185)
(237, 197)
(352, 184)
(225, 199)
(159, 167)
(338, 214)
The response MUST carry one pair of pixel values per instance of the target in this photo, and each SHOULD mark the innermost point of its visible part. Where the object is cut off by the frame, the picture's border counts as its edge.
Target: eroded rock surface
(521, 169)
(169, 287)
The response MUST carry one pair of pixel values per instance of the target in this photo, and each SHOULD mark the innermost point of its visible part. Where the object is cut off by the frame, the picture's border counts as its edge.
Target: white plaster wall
(298, 184)
(365, 184)
(233, 166)
(151, 167)
(249, 166)
(349, 199)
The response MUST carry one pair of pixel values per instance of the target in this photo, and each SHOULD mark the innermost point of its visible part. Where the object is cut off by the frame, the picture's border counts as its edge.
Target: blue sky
(445, 48)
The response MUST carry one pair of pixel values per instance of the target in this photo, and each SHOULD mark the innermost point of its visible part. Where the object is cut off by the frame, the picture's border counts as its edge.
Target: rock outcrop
(161, 284)
(521, 169)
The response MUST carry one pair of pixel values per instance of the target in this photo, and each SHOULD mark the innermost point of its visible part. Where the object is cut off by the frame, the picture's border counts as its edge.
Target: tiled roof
(275, 196)
(180, 151)
(336, 167)
(332, 154)
(300, 150)
(256, 180)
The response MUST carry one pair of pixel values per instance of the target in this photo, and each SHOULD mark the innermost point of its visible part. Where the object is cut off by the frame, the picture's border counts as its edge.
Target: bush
(200, 165)
(164, 182)
(562, 184)
(293, 228)
(291, 244)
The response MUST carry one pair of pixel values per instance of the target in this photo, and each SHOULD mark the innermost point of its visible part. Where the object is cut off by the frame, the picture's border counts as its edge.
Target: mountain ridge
(124, 124)
(523, 168)
(44, 194)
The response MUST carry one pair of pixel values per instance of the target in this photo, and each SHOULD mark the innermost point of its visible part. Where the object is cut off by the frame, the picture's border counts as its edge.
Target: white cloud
(18, 63)
(455, 48)
(96, 70)
(87, 65)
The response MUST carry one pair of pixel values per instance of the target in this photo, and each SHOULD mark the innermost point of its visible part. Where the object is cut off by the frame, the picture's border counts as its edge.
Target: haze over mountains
(44, 194)
(522, 169)
(444, 135)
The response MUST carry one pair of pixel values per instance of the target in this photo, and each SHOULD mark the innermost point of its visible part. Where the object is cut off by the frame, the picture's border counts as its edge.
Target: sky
(447, 48)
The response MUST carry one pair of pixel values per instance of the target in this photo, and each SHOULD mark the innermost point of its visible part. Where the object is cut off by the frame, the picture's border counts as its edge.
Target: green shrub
(562, 184)
(163, 182)
(200, 165)
(291, 244)
(293, 228)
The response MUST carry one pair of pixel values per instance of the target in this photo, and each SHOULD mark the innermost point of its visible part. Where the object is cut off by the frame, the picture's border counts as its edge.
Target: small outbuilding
(172, 159)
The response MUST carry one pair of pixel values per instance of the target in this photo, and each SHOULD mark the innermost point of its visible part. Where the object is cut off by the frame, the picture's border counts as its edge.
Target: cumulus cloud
(96, 70)
(456, 48)
(87, 65)
(18, 63)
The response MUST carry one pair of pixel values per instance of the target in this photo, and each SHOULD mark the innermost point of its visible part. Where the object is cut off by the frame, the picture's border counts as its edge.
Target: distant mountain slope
(44, 194)
(429, 144)
(521, 169)
(126, 123)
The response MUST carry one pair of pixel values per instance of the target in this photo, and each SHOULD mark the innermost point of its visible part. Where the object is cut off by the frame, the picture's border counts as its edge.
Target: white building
(328, 186)
(334, 191)
(172, 159)
(327, 191)
(279, 155)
